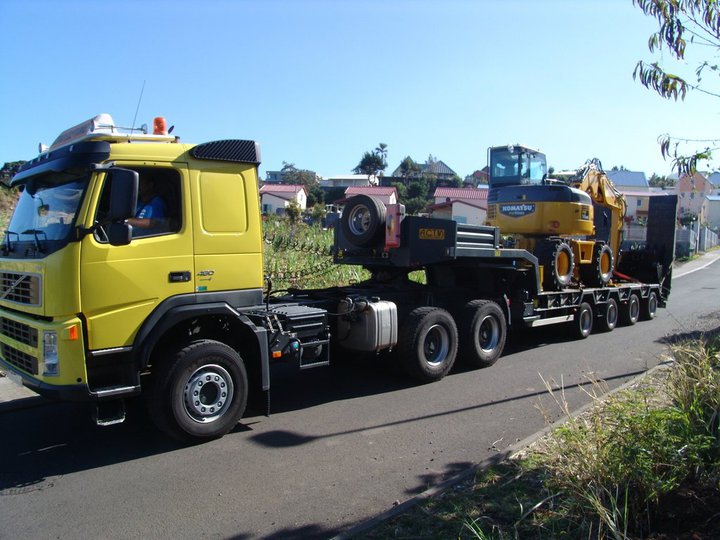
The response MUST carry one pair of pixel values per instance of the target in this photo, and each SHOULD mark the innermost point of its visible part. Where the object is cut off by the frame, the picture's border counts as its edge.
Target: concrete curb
(484, 464)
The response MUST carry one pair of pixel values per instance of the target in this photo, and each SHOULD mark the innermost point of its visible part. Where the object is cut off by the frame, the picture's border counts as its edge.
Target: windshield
(45, 212)
(517, 166)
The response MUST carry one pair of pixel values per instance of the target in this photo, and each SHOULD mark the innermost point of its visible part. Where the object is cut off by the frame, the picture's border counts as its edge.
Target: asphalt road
(342, 445)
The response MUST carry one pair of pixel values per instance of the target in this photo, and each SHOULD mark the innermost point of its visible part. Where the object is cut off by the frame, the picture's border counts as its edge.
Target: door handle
(179, 277)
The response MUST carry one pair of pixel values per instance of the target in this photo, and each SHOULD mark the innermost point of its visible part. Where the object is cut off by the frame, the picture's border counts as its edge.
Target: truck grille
(19, 359)
(19, 332)
(20, 288)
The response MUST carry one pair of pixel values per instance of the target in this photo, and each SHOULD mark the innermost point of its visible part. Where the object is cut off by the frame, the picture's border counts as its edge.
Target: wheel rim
(489, 334)
(605, 262)
(208, 393)
(563, 264)
(652, 304)
(436, 345)
(359, 220)
(585, 320)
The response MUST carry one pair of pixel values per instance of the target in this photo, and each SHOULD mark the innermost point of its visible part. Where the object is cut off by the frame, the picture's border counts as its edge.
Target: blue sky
(319, 82)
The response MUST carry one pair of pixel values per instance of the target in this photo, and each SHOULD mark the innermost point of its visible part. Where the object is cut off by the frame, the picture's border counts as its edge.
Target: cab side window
(158, 210)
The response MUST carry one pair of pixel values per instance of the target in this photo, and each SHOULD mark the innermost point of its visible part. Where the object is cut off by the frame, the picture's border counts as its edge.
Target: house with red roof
(464, 205)
(275, 198)
(387, 195)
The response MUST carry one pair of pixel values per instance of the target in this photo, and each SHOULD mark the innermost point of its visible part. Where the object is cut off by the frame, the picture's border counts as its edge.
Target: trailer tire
(362, 220)
(199, 392)
(649, 307)
(630, 311)
(428, 343)
(583, 321)
(609, 318)
(482, 331)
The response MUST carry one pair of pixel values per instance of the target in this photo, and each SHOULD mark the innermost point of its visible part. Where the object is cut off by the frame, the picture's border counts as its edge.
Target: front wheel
(199, 392)
(427, 343)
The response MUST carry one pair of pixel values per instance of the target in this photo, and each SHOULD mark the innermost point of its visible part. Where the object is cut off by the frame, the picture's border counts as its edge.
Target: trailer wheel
(649, 307)
(427, 343)
(482, 330)
(630, 311)
(199, 392)
(609, 318)
(558, 263)
(599, 272)
(362, 220)
(583, 320)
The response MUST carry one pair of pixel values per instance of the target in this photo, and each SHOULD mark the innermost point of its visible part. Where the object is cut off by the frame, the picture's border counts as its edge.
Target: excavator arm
(605, 195)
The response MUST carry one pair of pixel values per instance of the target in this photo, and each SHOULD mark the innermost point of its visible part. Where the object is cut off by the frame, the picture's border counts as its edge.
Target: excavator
(572, 224)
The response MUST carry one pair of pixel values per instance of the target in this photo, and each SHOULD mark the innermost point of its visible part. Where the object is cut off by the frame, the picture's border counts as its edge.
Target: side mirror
(119, 233)
(123, 194)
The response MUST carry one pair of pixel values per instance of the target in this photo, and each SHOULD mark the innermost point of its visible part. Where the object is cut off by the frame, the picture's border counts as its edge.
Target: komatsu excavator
(572, 224)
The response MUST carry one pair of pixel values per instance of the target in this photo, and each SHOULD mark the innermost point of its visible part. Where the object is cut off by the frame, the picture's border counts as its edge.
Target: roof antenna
(138, 105)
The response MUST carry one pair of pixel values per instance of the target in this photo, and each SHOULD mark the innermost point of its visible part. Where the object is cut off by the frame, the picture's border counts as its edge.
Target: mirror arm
(82, 232)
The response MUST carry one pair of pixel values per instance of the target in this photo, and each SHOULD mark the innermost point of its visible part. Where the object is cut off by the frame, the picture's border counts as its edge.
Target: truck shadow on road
(45, 442)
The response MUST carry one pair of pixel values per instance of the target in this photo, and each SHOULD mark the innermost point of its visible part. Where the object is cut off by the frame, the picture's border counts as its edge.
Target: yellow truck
(133, 266)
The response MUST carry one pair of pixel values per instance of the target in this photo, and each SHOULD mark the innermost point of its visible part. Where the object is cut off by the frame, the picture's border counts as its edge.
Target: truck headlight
(50, 354)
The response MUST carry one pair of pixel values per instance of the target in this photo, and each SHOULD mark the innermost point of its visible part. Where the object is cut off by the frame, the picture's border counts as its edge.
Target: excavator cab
(516, 165)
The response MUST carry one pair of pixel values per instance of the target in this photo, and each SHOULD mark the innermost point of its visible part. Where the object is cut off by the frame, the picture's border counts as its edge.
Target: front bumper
(23, 353)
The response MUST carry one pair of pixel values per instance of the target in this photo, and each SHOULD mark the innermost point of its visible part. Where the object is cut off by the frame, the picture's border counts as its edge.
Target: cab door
(121, 285)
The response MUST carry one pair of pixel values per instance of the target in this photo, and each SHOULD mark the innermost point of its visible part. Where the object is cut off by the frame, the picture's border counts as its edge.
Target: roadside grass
(641, 463)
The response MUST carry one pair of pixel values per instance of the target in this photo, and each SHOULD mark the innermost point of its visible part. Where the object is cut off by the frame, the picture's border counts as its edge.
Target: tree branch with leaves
(682, 23)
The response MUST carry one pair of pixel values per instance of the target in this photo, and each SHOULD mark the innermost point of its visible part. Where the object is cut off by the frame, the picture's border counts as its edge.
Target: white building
(275, 198)
(464, 205)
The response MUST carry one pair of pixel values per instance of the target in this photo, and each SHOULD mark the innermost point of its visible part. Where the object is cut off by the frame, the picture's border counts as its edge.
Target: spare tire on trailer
(363, 220)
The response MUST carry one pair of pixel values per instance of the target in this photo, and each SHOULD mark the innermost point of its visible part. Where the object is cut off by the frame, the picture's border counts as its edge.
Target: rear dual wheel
(428, 343)
(482, 330)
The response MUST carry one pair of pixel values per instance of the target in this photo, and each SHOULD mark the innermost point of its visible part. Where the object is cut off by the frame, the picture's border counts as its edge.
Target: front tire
(428, 343)
(199, 392)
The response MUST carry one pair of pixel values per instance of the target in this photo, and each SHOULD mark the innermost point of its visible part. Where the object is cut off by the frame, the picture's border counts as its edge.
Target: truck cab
(89, 293)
